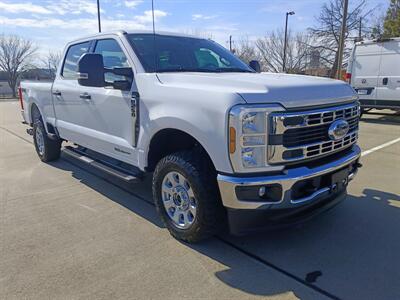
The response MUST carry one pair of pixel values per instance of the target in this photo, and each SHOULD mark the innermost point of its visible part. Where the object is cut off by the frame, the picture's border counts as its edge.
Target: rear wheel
(186, 196)
(47, 149)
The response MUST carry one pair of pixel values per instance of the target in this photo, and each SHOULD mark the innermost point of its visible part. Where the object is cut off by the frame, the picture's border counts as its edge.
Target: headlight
(253, 157)
(248, 133)
(253, 122)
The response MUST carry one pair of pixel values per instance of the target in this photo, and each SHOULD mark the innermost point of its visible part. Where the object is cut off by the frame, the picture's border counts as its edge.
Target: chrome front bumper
(228, 184)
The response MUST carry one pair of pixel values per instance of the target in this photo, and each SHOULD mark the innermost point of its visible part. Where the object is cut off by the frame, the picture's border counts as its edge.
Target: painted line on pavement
(364, 153)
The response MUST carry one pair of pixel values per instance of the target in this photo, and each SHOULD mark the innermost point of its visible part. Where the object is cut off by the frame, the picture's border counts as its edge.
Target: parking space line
(364, 153)
(16, 135)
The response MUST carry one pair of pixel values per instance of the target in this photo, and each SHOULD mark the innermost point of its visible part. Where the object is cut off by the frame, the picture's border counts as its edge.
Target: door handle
(385, 81)
(57, 93)
(85, 96)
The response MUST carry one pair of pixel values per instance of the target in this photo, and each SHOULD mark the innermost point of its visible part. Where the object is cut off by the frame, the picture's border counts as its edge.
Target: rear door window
(74, 52)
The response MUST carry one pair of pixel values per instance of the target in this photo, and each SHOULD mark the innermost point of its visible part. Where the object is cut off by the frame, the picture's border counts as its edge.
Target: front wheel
(47, 149)
(186, 196)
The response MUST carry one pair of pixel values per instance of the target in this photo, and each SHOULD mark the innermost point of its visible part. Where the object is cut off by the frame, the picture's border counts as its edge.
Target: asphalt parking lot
(66, 233)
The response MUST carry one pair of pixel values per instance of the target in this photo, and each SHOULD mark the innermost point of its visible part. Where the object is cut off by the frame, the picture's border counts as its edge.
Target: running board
(116, 171)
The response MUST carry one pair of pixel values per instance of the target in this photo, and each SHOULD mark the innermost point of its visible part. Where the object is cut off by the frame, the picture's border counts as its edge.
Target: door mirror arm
(127, 72)
(123, 85)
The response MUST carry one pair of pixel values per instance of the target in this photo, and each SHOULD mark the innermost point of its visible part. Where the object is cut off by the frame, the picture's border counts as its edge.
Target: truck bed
(38, 92)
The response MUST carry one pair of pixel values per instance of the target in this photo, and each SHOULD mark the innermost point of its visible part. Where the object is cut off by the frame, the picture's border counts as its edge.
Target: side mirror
(91, 70)
(255, 65)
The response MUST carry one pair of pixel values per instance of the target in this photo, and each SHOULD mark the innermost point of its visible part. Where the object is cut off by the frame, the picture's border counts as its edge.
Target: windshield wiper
(217, 70)
(229, 70)
(187, 70)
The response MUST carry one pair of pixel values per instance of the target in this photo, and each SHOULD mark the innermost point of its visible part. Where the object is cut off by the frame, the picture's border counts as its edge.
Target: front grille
(314, 134)
(304, 135)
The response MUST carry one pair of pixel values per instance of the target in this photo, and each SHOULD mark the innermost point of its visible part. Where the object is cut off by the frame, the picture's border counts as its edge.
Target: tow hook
(29, 131)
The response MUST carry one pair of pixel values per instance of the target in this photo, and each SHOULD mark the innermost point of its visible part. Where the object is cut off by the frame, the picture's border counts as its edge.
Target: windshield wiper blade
(239, 70)
(174, 70)
(187, 70)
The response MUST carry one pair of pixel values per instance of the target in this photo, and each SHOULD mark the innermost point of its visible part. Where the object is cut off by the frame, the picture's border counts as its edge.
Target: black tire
(50, 149)
(210, 215)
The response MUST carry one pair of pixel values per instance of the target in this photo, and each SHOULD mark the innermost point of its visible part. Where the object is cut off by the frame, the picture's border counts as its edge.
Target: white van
(374, 72)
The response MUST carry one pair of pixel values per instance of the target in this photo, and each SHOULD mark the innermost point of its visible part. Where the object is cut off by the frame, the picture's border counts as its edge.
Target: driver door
(108, 111)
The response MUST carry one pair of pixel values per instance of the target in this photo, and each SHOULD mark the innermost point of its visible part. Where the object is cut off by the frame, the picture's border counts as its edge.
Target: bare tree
(16, 55)
(246, 50)
(327, 32)
(51, 62)
(199, 33)
(377, 27)
(297, 51)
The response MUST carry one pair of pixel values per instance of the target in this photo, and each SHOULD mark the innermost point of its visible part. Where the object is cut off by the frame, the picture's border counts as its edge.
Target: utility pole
(342, 37)
(230, 43)
(98, 14)
(285, 42)
(359, 30)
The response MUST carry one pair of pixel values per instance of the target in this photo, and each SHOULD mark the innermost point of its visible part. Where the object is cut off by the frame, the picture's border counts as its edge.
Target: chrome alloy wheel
(178, 199)
(39, 140)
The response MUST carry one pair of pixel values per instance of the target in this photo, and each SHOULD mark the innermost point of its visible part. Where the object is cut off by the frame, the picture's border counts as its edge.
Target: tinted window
(113, 57)
(184, 54)
(71, 60)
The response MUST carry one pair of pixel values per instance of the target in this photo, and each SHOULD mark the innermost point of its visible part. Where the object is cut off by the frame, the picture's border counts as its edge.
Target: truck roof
(375, 41)
(122, 32)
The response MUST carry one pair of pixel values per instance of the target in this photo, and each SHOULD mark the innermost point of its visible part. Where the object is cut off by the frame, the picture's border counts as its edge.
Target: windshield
(184, 54)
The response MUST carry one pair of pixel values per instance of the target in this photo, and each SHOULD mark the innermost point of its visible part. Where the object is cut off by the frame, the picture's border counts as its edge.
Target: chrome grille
(312, 134)
(321, 148)
(304, 135)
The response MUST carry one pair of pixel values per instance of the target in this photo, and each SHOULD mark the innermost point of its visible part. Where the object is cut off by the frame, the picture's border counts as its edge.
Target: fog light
(262, 191)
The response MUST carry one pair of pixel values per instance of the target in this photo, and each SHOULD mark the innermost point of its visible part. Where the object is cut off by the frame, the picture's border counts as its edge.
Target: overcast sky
(50, 23)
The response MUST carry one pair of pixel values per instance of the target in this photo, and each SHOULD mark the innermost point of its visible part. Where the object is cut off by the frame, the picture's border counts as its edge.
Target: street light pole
(285, 42)
(98, 14)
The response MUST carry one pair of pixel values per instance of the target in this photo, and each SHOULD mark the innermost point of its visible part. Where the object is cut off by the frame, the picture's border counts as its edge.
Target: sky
(50, 24)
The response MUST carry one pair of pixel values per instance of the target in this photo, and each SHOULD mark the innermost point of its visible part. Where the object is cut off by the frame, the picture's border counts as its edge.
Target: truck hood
(290, 91)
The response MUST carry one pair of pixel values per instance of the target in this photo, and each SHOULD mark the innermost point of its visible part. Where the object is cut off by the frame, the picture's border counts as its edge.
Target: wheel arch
(170, 140)
(35, 113)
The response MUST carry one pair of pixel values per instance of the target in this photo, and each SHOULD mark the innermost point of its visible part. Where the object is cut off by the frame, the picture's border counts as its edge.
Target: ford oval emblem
(338, 129)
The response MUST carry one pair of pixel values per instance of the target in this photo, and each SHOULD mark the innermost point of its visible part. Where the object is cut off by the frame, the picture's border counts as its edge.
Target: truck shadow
(392, 118)
(345, 247)
(349, 247)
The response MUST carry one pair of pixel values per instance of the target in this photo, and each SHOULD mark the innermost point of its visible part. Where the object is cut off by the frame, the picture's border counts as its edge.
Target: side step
(128, 176)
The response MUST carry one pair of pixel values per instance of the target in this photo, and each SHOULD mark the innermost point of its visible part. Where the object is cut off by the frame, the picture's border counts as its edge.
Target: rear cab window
(74, 52)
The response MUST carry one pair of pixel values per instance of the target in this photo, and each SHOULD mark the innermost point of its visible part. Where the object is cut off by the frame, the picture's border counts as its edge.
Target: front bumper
(324, 194)
(228, 184)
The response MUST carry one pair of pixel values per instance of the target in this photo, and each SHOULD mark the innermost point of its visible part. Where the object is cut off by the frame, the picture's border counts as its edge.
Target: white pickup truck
(224, 144)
